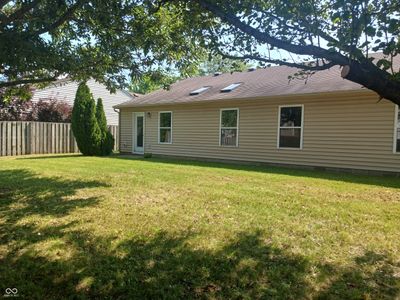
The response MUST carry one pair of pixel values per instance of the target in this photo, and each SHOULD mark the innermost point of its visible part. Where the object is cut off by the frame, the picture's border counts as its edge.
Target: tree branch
(363, 72)
(26, 81)
(266, 38)
(3, 3)
(280, 62)
(384, 87)
(19, 13)
(63, 18)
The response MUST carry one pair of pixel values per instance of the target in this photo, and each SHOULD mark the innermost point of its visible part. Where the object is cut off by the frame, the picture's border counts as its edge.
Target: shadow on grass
(68, 261)
(23, 194)
(374, 276)
(166, 267)
(41, 195)
(384, 181)
(390, 181)
(46, 156)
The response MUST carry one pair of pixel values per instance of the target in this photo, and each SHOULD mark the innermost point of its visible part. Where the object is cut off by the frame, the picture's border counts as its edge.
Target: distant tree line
(206, 65)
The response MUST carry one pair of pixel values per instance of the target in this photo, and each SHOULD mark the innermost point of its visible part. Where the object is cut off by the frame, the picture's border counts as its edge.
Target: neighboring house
(261, 116)
(65, 90)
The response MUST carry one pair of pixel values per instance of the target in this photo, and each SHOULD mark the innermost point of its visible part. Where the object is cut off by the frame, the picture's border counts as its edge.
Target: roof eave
(285, 96)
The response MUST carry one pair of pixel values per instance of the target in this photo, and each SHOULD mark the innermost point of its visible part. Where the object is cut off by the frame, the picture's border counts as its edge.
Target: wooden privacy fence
(19, 138)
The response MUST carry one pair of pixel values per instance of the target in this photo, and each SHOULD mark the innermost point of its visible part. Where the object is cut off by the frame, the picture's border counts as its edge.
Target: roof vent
(230, 87)
(199, 91)
(251, 69)
(217, 73)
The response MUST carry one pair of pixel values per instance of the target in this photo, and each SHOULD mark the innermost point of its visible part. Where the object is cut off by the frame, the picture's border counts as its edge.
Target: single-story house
(261, 116)
(65, 90)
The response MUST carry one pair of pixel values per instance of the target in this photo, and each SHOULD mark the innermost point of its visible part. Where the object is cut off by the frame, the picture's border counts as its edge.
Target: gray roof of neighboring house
(65, 90)
(272, 81)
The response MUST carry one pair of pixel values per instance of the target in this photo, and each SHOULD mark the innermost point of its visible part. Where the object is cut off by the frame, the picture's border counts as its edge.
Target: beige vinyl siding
(126, 130)
(341, 130)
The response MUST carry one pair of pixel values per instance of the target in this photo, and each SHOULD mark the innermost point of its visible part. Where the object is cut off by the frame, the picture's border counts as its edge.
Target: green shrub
(107, 140)
(108, 144)
(84, 123)
(147, 155)
(101, 116)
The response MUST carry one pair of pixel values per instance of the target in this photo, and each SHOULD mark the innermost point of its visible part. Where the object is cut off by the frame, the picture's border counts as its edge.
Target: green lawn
(129, 228)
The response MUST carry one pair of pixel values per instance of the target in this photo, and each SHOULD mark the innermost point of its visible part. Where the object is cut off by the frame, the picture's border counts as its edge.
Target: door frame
(134, 136)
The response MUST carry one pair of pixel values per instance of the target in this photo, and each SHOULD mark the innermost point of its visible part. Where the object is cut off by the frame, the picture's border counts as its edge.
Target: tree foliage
(216, 63)
(51, 110)
(321, 34)
(9, 95)
(204, 65)
(84, 122)
(153, 80)
(45, 110)
(105, 40)
(107, 140)
(110, 40)
(15, 110)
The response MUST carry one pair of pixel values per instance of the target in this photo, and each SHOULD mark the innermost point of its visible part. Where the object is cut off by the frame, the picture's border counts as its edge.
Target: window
(199, 91)
(165, 127)
(290, 127)
(230, 88)
(229, 120)
(397, 131)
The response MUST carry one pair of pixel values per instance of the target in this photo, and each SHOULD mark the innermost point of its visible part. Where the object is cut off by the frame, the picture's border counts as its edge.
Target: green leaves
(112, 41)
(109, 41)
(89, 124)
(328, 32)
(86, 130)
(107, 140)
(151, 81)
(384, 64)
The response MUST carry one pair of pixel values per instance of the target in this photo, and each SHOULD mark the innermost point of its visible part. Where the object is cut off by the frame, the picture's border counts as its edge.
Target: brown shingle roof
(272, 81)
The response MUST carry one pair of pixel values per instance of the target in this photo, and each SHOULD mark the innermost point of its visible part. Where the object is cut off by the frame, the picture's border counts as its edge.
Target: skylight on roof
(230, 87)
(199, 91)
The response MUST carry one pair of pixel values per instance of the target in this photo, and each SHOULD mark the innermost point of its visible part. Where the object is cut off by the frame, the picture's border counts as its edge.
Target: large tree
(321, 34)
(106, 40)
(110, 40)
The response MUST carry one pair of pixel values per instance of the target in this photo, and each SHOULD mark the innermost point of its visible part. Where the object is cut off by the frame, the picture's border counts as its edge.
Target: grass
(129, 228)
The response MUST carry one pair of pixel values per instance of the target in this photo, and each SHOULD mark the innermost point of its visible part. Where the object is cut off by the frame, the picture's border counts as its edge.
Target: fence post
(2, 139)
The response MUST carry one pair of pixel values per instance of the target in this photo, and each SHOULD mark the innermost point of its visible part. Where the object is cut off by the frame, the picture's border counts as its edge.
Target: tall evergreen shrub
(84, 123)
(107, 140)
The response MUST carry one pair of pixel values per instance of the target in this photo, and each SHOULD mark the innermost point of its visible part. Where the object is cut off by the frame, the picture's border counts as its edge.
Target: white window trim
(237, 127)
(396, 116)
(159, 114)
(301, 127)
